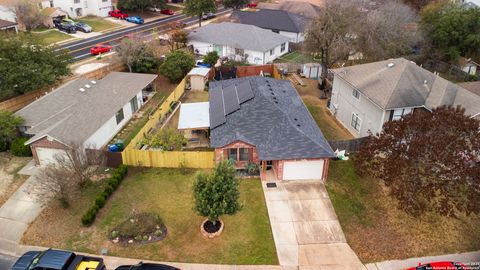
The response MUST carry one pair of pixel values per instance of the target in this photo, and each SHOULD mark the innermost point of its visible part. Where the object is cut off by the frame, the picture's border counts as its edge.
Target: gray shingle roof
(4, 23)
(275, 121)
(241, 36)
(404, 84)
(72, 116)
(274, 19)
(304, 9)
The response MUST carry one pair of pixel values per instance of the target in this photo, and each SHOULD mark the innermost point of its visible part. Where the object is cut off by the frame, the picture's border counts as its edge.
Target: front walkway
(18, 212)
(305, 228)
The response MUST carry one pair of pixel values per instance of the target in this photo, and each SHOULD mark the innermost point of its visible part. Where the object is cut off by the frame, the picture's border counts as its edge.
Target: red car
(116, 13)
(252, 5)
(100, 48)
(167, 11)
(439, 265)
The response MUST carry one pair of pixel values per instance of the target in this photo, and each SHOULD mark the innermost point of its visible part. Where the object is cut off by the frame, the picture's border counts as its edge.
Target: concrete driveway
(305, 227)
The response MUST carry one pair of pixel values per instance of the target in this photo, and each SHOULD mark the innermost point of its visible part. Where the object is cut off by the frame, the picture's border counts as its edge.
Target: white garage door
(47, 156)
(302, 170)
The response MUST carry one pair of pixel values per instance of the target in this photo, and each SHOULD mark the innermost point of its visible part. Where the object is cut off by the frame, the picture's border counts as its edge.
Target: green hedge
(19, 148)
(112, 184)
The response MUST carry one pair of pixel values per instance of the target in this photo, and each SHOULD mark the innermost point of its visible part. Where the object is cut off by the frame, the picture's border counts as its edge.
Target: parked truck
(52, 259)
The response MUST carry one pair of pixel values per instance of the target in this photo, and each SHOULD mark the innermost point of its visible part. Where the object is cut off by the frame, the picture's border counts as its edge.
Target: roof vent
(296, 119)
(273, 94)
(82, 89)
(93, 82)
(298, 125)
(390, 65)
(275, 98)
(276, 102)
(87, 85)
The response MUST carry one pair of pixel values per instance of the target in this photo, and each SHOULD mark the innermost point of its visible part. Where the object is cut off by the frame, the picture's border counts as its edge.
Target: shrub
(211, 58)
(167, 139)
(89, 217)
(3, 145)
(19, 148)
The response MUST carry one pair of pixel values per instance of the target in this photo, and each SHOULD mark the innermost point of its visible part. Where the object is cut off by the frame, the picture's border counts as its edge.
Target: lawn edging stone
(211, 235)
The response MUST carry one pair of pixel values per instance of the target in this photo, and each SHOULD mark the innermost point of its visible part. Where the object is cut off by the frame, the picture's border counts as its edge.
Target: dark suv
(65, 26)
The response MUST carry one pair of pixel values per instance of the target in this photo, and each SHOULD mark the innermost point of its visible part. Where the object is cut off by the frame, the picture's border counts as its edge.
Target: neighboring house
(302, 8)
(366, 96)
(468, 66)
(81, 8)
(82, 113)
(8, 11)
(8, 26)
(471, 3)
(264, 121)
(50, 13)
(473, 87)
(281, 22)
(239, 42)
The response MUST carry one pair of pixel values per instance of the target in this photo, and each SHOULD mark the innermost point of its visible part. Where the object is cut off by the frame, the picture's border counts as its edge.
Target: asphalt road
(6, 262)
(81, 49)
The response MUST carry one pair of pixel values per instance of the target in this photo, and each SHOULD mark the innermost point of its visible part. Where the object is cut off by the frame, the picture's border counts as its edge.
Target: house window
(282, 48)
(356, 122)
(240, 52)
(398, 113)
(244, 154)
(356, 93)
(51, 3)
(134, 104)
(232, 154)
(76, 1)
(218, 49)
(271, 52)
(119, 116)
(85, 4)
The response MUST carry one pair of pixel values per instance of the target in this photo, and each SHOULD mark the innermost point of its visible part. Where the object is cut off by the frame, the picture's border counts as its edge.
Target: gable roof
(308, 9)
(72, 116)
(274, 19)
(241, 36)
(4, 23)
(473, 87)
(266, 113)
(399, 83)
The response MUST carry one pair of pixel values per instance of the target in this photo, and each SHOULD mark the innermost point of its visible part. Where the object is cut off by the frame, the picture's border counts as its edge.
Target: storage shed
(198, 77)
(312, 70)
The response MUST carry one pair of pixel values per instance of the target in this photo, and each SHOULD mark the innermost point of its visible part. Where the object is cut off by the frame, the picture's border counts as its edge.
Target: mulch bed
(141, 228)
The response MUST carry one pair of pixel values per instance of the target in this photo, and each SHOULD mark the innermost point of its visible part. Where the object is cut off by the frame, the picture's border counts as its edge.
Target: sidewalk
(305, 228)
(18, 212)
(466, 258)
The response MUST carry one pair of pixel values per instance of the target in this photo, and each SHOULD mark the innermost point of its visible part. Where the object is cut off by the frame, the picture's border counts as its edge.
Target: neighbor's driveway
(305, 227)
(17, 213)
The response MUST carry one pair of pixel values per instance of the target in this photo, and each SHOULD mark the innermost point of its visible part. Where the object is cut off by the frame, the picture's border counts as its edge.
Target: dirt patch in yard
(330, 127)
(10, 180)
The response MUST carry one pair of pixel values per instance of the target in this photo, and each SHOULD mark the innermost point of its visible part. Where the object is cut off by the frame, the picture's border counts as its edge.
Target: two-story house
(81, 8)
(366, 96)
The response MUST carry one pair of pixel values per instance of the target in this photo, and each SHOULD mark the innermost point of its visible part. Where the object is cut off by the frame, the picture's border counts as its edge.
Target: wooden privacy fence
(167, 159)
(348, 145)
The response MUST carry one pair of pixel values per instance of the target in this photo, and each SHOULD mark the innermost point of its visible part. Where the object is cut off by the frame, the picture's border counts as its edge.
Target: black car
(83, 27)
(53, 259)
(66, 27)
(147, 266)
(208, 16)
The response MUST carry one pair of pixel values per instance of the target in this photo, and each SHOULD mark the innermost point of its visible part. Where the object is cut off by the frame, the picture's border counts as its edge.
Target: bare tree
(331, 35)
(68, 173)
(29, 14)
(387, 32)
(133, 51)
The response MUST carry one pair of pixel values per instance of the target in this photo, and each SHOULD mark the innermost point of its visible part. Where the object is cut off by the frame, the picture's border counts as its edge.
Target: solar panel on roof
(230, 99)
(244, 90)
(217, 113)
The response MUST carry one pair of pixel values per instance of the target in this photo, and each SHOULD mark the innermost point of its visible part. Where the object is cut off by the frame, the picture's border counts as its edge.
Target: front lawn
(52, 36)
(295, 57)
(246, 239)
(377, 230)
(99, 24)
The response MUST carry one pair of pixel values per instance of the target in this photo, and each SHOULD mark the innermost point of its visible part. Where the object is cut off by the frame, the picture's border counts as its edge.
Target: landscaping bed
(377, 230)
(246, 237)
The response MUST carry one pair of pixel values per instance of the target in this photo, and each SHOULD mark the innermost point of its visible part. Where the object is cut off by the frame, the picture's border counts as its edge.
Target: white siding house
(81, 8)
(366, 96)
(237, 41)
(82, 112)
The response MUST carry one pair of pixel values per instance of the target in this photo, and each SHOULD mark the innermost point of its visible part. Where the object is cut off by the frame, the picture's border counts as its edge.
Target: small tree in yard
(29, 14)
(177, 65)
(168, 139)
(177, 37)
(430, 161)
(67, 174)
(211, 58)
(8, 128)
(217, 194)
(198, 8)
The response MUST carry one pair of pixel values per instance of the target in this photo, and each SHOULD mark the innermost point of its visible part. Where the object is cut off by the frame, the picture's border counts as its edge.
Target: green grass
(330, 129)
(246, 239)
(53, 36)
(350, 194)
(98, 24)
(174, 8)
(296, 57)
